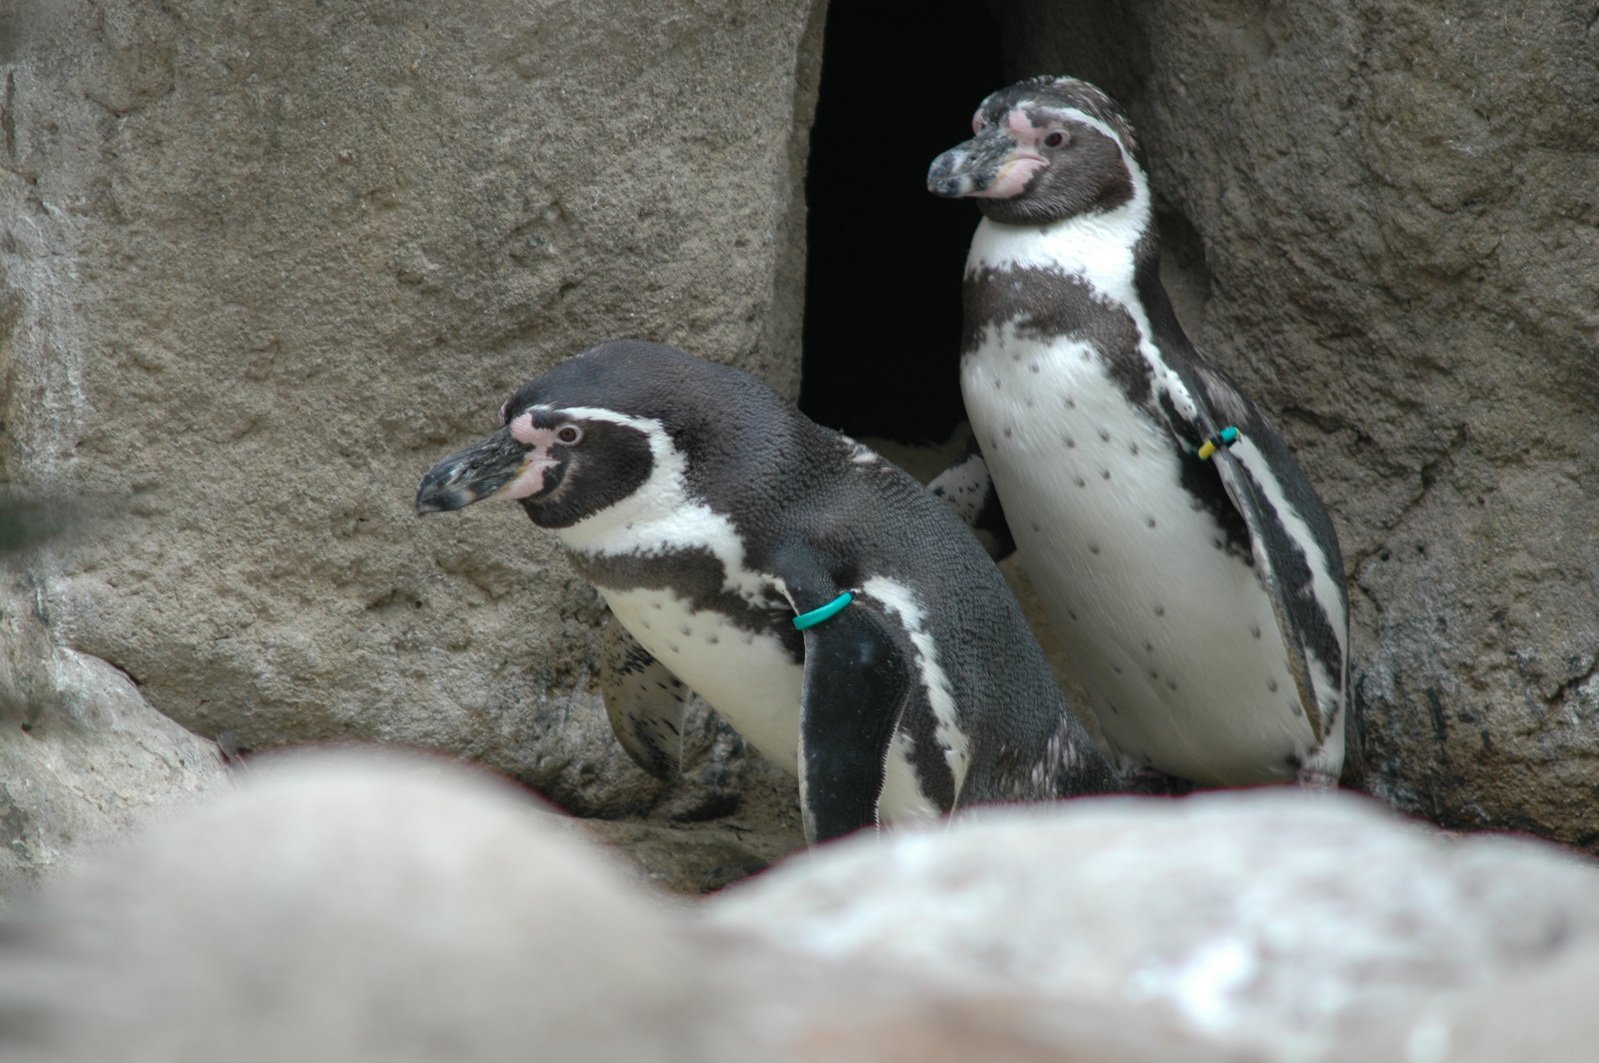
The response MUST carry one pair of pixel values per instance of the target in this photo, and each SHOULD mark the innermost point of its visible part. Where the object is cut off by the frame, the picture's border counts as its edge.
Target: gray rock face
(1278, 925)
(82, 756)
(260, 265)
(1381, 220)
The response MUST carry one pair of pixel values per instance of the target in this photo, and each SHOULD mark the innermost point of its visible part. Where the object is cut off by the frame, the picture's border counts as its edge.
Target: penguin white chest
(749, 678)
(1171, 636)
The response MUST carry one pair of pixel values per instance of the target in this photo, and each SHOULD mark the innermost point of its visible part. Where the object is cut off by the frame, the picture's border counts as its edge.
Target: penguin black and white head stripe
(843, 620)
(1044, 149)
(1186, 562)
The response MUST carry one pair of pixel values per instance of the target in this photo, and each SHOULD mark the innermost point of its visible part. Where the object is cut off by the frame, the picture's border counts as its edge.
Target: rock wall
(1380, 217)
(263, 263)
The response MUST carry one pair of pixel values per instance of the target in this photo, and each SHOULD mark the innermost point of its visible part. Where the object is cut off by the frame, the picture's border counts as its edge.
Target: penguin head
(616, 427)
(1044, 149)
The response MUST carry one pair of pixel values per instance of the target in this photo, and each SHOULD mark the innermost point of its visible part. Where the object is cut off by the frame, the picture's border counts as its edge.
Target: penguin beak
(991, 165)
(497, 465)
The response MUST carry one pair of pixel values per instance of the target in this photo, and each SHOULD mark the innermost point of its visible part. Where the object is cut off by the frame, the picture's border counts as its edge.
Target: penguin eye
(570, 434)
(1055, 139)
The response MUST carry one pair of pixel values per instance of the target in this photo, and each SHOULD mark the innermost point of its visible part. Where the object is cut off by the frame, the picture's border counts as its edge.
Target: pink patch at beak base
(1014, 175)
(528, 482)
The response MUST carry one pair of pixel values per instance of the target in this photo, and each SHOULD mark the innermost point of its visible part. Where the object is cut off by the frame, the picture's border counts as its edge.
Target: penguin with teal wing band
(841, 618)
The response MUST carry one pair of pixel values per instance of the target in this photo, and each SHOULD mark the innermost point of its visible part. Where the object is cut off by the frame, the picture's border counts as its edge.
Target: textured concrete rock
(82, 757)
(1381, 219)
(1545, 1013)
(1278, 924)
(261, 263)
(341, 906)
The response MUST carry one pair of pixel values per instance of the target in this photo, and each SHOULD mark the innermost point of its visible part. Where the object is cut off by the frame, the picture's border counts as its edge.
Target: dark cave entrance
(882, 305)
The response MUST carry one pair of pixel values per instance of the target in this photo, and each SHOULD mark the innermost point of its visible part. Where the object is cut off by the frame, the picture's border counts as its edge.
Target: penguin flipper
(1246, 496)
(966, 486)
(855, 688)
(644, 702)
(1261, 456)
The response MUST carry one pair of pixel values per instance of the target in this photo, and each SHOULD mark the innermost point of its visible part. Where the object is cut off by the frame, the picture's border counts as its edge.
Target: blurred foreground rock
(1281, 924)
(361, 906)
(358, 907)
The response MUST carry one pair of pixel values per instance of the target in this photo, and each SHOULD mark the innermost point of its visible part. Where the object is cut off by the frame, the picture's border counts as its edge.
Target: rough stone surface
(1381, 219)
(1274, 923)
(82, 756)
(1536, 1014)
(352, 907)
(359, 905)
(261, 264)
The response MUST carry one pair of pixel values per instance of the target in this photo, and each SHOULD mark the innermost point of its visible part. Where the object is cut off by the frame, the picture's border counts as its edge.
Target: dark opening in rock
(882, 314)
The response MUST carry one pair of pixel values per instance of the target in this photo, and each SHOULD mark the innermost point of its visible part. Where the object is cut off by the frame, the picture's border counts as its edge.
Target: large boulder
(388, 907)
(1278, 925)
(83, 757)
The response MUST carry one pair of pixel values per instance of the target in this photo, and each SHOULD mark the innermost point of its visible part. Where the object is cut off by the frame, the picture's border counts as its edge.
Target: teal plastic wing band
(1225, 438)
(823, 613)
